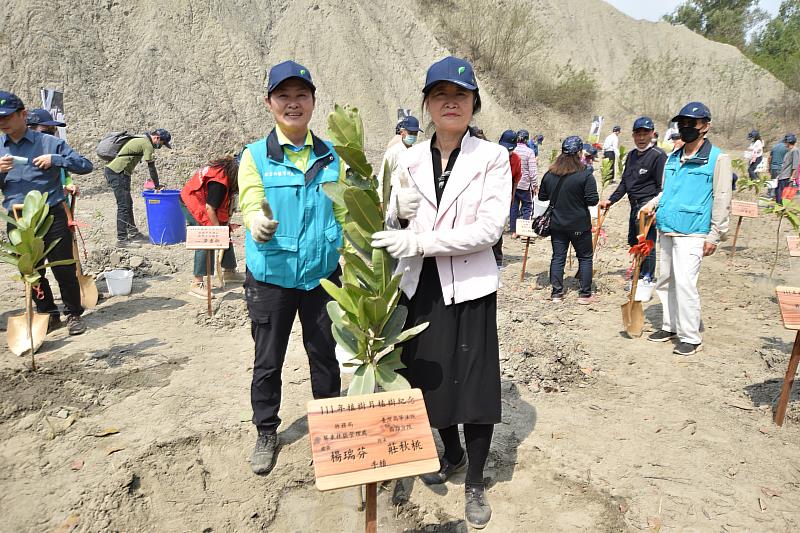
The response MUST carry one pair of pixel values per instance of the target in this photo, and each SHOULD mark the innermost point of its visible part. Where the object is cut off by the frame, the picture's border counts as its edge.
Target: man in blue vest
(693, 212)
(291, 243)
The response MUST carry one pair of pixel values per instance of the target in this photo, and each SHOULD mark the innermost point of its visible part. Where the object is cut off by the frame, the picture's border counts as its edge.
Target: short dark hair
(566, 164)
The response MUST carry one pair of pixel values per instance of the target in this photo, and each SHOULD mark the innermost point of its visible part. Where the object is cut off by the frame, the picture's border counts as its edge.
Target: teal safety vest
(687, 198)
(305, 248)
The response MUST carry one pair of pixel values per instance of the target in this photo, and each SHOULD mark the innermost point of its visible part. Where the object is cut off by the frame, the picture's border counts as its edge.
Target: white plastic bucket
(119, 282)
(343, 356)
(644, 291)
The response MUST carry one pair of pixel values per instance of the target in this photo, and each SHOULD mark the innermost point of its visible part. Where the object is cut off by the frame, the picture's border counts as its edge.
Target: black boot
(446, 469)
(263, 458)
(477, 510)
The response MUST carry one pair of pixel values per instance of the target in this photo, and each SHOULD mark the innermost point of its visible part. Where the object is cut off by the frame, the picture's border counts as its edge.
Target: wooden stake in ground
(208, 238)
(789, 302)
(525, 258)
(209, 253)
(371, 517)
(525, 229)
(735, 237)
(742, 210)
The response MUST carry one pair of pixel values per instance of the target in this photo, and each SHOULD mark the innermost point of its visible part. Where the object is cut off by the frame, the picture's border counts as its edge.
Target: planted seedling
(367, 317)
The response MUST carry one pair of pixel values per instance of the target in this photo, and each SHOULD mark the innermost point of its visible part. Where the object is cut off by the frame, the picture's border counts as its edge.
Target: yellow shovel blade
(89, 293)
(633, 318)
(17, 332)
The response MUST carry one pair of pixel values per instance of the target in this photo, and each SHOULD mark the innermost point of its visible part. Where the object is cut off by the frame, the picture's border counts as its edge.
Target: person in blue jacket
(31, 160)
(291, 243)
(692, 217)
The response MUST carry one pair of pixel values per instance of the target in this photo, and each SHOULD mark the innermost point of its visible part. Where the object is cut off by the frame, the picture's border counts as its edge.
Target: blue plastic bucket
(165, 220)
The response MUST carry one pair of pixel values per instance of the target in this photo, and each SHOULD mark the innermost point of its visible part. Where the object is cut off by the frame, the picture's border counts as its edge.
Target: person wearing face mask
(409, 130)
(692, 216)
(450, 277)
(118, 175)
(42, 121)
(291, 243)
(641, 182)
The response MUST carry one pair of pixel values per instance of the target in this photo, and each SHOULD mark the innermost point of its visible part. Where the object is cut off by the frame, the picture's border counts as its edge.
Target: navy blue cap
(410, 124)
(693, 110)
(539, 138)
(523, 135)
(42, 117)
(452, 69)
(790, 138)
(509, 139)
(164, 135)
(287, 70)
(9, 103)
(644, 123)
(572, 145)
(753, 134)
(589, 149)
(616, 128)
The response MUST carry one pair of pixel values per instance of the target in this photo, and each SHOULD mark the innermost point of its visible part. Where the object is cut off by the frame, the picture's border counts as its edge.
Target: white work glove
(262, 226)
(399, 243)
(407, 202)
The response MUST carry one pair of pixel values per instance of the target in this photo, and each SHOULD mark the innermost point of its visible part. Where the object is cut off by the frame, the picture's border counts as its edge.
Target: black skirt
(456, 360)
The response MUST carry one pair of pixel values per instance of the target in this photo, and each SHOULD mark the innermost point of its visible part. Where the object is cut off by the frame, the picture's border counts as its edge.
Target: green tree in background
(724, 21)
(777, 46)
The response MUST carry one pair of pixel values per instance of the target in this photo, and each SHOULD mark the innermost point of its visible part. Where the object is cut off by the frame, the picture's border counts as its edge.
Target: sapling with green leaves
(621, 160)
(606, 174)
(789, 210)
(25, 249)
(745, 183)
(367, 317)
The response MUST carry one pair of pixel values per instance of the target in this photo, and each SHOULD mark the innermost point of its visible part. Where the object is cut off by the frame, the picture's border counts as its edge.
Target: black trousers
(121, 185)
(582, 243)
(613, 157)
(272, 310)
(65, 275)
(648, 268)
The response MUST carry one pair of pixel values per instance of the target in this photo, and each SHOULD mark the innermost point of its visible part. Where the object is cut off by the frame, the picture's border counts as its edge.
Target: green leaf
(363, 210)
(15, 236)
(363, 381)
(394, 325)
(390, 380)
(9, 258)
(382, 264)
(335, 191)
(25, 264)
(340, 295)
(362, 244)
(7, 219)
(410, 333)
(375, 309)
(345, 127)
(355, 159)
(386, 186)
(345, 338)
(33, 279)
(60, 262)
(356, 292)
(44, 226)
(366, 274)
(392, 359)
(37, 249)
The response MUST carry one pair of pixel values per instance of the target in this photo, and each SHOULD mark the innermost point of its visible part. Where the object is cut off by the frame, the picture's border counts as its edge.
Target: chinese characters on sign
(744, 209)
(789, 302)
(793, 241)
(525, 227)
(207, 238)
(364, 439)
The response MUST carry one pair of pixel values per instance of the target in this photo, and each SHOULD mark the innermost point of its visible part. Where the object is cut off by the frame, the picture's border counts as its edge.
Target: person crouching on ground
(450, 278)
(692, 216)
(291, 243)
(570, 187)
(206, 201)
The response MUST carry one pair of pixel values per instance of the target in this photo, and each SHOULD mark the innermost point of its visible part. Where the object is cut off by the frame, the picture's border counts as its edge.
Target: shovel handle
(601, 217)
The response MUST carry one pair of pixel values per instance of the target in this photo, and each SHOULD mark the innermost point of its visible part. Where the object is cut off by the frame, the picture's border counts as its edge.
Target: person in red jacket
(508, 141)
(206, 201)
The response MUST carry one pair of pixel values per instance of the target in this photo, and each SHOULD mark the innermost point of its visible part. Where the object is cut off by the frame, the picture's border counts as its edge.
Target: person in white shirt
(611, 149)
(756, 150)
(408, 130)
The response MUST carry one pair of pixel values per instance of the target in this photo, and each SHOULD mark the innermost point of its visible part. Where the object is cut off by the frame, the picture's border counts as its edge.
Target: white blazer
(469, 220)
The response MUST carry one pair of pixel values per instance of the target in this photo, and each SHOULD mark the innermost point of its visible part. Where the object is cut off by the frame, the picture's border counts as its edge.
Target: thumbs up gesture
(262, 225)
(407, 200)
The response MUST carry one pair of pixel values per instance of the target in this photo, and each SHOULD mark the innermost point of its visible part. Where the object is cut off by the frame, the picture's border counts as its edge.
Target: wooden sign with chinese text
(525, 228)
(744, 209)
(793, 242)
(357, 440)
(207, 238)
(789, 302)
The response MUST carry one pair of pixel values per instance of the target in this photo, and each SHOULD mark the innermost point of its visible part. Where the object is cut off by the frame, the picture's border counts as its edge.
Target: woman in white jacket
(449, 203)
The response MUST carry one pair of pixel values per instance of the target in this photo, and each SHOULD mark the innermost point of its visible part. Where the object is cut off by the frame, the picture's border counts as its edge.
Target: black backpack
(111, 143)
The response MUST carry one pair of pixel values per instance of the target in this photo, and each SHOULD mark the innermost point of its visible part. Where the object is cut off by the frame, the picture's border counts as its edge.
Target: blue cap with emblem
(452, 69)
(693, 110)
(508, 139)
(790, 138)
(411, 124)
(287, 70)
(42, 117)
(572, 145)
(643, 123)
(9, 103)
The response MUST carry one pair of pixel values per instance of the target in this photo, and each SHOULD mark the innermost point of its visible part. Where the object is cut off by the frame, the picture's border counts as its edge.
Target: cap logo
(302, 72)
(461, 70)
(2, 102)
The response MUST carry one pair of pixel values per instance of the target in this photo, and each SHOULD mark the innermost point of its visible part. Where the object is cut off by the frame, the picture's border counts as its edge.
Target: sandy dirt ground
(143, 423)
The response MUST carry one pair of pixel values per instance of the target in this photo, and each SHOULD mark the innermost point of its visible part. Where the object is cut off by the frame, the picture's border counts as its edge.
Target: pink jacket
(469, 221)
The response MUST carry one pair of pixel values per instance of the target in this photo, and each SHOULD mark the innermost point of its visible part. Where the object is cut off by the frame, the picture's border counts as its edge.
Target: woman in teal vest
(692, 218)
(291, 243)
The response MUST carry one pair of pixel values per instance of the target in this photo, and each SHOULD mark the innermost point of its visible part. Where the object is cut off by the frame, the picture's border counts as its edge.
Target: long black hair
(230, 166)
